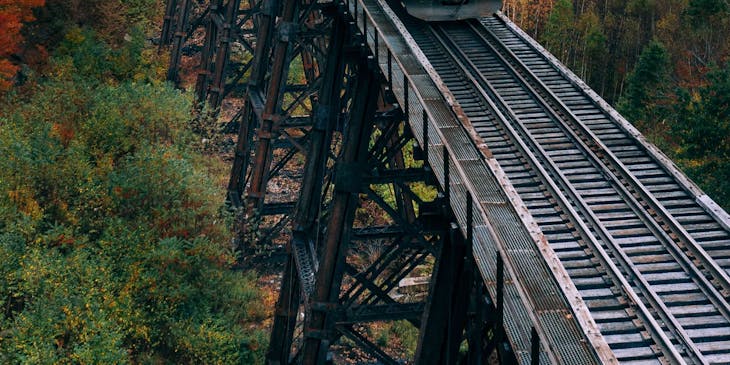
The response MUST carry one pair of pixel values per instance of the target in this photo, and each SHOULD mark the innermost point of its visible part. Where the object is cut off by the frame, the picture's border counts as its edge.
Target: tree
(593, 60)
(709, 20)
(559, 32)
(701, 11)
(113, 243)
(529, 15)
(647, 92)
(12, 15)
(645, 56)
(702, 134)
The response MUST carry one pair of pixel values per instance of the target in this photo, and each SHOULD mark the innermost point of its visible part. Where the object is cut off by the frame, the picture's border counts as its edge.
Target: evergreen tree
(702, 134)
(559, 31)
(701, 11)
(644, 100)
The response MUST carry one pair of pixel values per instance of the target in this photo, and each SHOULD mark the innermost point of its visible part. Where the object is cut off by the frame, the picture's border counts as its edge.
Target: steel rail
(614, 167)
(653, 326)
(685, 262)
(631, 182)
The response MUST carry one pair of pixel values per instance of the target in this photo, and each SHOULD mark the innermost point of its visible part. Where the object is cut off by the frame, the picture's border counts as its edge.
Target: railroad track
(648, 260)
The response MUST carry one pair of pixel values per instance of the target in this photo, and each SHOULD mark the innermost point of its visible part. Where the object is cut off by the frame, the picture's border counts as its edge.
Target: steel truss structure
(459, 157)
(265, 105)
(362, 222)
(360, 156)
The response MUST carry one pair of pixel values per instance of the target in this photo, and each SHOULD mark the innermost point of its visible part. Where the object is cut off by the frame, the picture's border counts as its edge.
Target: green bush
(82, 56)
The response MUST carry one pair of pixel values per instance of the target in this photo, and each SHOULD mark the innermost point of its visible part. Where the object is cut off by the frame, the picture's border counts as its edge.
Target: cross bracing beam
(232, 41)
(327, 102)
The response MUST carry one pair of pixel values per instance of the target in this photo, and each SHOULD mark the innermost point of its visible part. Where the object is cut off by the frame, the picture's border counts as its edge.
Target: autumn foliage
(13, 13)
(113, 244)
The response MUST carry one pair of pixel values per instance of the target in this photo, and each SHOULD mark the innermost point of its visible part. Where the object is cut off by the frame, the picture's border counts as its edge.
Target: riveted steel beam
(329, 274)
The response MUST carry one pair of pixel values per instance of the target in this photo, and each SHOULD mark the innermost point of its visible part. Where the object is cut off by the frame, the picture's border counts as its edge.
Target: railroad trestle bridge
(550, 230)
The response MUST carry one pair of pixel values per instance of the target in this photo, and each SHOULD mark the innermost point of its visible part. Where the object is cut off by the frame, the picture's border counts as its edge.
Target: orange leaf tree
(12, 15)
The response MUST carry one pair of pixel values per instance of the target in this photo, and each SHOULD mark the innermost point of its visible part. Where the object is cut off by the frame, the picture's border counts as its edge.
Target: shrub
(113, 246)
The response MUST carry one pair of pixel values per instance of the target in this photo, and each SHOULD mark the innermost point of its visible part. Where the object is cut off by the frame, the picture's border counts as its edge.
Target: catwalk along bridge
(548, 229)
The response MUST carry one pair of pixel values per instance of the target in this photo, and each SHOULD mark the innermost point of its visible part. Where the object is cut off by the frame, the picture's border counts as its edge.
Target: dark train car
(445, 10)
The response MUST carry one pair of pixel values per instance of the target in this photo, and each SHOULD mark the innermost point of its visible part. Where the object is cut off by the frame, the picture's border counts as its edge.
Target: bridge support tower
(368, 214)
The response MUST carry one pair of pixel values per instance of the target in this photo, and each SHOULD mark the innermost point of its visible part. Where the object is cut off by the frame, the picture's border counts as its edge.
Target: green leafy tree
(559, 31)
(701, 12)
(594, 51)
(702, 133)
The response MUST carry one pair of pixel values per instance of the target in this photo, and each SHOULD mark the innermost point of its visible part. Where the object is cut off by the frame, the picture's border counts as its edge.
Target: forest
(113, 242)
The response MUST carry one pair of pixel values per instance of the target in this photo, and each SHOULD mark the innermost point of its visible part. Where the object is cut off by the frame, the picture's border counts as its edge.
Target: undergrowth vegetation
(113, 245)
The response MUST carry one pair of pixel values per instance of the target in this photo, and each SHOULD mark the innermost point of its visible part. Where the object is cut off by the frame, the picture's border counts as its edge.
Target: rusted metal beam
(345, 201)
(166, 34)
(309, 197)
(366, 344)
(382, 312)
(246, 115)
(214, 24)
(285, 316)
(444, 319)
(221, 37)
(325, 117)
(178, 40)
(267, 131)
(405, 203)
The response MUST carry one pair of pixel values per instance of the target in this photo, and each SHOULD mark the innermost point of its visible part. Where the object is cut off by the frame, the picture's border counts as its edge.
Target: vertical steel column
(311, 70)
(479, 309)
(221, 59)
(325, 117)
(254, 89)
(210, 83)
(310, 195)
(207, 62)
(444, 317)
(178, 41)
(269, 116)
(405, 203)
(165, 35)
(344, 203)
(285, 315)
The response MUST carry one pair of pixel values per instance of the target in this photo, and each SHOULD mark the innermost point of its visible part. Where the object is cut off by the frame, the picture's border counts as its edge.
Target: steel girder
(339, 294)
(277, 112)
(359, 155)
(268, 106)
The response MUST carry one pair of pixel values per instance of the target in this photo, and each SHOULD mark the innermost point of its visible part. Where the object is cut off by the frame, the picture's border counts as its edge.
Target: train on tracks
(449, 10)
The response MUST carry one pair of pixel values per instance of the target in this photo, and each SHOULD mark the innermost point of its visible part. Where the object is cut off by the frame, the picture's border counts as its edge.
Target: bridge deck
(537, 292)
(610, 252)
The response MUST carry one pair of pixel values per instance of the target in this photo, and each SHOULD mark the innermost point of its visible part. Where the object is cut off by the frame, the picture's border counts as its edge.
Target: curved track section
(648, 260)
